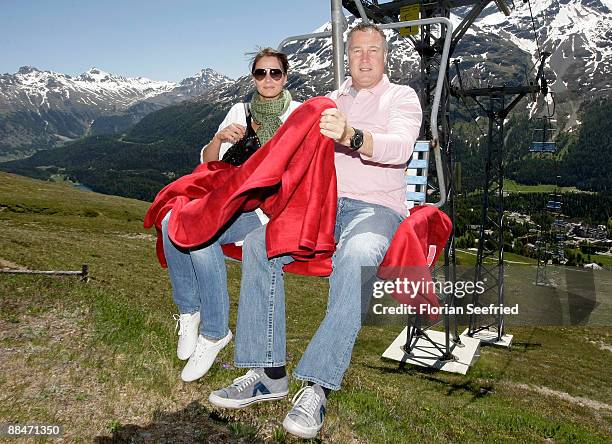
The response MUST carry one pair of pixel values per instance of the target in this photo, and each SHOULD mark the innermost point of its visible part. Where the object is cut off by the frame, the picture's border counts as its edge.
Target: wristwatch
(357, 139)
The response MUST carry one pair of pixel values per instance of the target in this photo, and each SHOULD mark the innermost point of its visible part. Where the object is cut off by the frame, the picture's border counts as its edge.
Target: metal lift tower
(499, 101)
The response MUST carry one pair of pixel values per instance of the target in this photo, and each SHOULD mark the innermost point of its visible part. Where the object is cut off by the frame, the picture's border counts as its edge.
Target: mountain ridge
(41, 108)
(496, 49)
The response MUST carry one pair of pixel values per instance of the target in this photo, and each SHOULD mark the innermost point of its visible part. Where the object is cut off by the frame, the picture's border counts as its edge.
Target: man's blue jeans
(199, 275)
(363, 232)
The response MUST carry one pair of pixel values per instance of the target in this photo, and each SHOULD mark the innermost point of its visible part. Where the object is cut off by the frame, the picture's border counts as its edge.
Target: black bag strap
(247, 112)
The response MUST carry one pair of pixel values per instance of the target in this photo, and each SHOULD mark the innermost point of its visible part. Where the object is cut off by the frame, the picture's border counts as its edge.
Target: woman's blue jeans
(363, 232)
(199, 275)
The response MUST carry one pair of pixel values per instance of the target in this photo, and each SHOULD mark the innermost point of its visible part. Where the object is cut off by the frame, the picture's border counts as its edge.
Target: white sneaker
(306, 417)
(203, 357)
(187, 325)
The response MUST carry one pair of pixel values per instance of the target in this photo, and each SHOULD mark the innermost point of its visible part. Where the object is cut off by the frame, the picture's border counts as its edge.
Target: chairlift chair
(543, 136)
(436, 348)
(553, 205)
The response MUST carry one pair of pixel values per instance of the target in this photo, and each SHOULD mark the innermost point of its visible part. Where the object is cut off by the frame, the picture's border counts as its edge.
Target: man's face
(366, 58)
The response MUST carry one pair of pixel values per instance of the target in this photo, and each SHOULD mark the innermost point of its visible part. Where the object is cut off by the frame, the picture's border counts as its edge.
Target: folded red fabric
(291, 178)
(415, 248)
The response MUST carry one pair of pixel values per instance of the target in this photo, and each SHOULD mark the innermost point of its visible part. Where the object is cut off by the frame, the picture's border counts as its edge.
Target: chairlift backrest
(416, 175)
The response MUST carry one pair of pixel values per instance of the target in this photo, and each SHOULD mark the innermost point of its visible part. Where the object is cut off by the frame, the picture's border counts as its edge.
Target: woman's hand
(232, 133)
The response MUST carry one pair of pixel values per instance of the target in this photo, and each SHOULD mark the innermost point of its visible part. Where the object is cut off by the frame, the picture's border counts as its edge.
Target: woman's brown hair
(271, 52)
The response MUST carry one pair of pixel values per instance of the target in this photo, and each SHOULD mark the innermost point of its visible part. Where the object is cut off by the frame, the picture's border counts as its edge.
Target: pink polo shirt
(392, 113)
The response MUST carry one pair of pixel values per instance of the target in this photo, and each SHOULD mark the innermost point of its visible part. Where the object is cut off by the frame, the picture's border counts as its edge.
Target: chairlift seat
(543, 147)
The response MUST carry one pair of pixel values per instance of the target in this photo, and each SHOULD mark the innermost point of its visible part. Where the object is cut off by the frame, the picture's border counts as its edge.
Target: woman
(199, 276)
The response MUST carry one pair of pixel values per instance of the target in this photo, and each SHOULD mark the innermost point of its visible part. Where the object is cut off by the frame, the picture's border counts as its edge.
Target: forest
(165, 145)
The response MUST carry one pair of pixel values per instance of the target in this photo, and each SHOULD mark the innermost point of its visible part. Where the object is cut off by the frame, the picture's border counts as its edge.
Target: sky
(161, 40)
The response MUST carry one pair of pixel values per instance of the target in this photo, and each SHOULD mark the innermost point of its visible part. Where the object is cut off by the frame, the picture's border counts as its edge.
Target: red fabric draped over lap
(291, 178)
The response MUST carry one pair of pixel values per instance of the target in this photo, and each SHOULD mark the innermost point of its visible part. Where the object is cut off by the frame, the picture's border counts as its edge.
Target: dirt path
(578, 400)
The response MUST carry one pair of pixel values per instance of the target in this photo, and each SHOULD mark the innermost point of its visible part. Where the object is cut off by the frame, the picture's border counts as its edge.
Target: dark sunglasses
(275, 73)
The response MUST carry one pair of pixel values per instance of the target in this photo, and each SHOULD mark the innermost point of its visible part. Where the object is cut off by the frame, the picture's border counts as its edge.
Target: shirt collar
(348, 83)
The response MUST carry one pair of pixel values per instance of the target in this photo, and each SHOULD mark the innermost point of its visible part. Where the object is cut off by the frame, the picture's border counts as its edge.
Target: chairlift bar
(362, 12)
(338, 65)
(338, 27)
(503, 7)
(435, 141)
(443, 61)
(297, 38)
(469, 19)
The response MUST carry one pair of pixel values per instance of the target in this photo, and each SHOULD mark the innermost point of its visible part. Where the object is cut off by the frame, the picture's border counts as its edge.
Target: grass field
(603, 259)
(512, 187)
(468, 257)
(99, 357)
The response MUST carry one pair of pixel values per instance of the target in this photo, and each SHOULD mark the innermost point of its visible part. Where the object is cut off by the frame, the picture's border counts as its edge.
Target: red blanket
(291, 178)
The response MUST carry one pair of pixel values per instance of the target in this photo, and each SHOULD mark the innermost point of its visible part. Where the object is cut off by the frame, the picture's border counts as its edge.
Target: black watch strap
(357, 139)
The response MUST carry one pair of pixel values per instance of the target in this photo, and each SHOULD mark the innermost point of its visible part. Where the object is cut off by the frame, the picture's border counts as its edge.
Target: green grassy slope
(99, 358)
(161, 147)
(512, 187)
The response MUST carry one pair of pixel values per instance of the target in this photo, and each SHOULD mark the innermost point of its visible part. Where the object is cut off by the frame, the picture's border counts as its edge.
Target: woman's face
(268, 87)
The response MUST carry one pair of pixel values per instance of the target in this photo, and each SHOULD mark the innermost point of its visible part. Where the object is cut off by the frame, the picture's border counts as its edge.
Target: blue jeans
(199, 275)
(363, 232)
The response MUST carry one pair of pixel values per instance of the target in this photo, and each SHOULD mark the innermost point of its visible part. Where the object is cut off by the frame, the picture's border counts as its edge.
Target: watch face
(357, 139)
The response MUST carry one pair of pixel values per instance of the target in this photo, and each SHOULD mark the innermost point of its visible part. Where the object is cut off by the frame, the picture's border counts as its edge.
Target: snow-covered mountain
(40, 108)
(32, 89)
(495, 50)
(578, 33)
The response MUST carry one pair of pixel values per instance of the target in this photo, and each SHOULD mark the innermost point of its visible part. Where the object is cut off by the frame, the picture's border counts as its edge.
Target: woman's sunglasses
(275, 73)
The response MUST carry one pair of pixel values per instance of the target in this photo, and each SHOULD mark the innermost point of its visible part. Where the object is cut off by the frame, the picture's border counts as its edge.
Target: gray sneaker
(306, 417)
(253, 387)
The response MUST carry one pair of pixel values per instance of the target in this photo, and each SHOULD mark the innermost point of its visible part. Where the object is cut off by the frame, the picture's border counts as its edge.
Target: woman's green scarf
(267, 113)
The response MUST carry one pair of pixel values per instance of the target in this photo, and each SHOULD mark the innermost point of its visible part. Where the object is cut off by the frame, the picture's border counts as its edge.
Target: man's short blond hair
(369, 27)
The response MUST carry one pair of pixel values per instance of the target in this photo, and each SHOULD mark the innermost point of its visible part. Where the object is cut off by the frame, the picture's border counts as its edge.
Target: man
(375, 126)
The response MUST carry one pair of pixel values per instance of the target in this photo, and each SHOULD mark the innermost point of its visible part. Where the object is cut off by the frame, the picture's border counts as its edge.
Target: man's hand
(333, 124)
(232, 133)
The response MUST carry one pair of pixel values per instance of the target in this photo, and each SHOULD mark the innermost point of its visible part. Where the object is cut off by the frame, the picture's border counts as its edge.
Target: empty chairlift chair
(543, 137)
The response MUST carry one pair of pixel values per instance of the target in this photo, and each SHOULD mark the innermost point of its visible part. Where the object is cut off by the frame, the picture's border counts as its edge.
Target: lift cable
(534, 30)
(544, 82)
